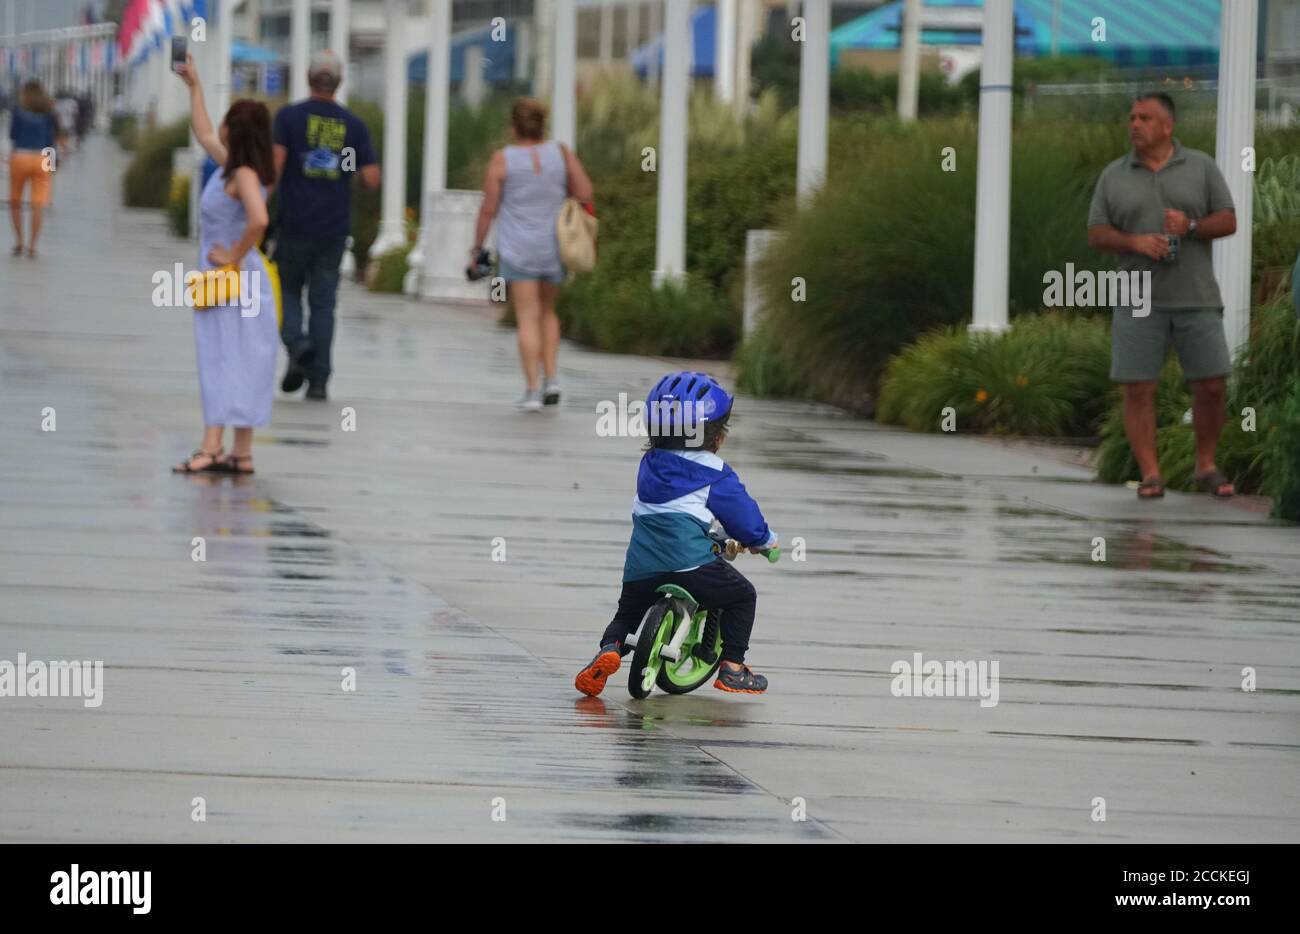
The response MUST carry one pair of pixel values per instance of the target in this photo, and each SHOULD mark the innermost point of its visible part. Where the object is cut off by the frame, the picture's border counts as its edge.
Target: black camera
(481, 268)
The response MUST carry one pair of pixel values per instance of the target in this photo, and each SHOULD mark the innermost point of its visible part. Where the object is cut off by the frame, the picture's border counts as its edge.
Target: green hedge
(153, 161)
(1046, 376)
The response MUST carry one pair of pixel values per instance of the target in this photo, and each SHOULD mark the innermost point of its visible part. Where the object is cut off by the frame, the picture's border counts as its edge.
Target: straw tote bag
(577, 232)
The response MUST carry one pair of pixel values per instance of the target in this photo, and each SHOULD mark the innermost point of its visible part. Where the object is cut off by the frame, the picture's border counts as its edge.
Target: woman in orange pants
(32, 131)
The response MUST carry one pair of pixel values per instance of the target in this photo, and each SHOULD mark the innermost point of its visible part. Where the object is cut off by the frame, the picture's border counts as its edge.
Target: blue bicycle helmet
(666, 405)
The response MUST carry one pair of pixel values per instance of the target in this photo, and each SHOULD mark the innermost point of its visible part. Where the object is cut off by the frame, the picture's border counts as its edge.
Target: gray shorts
(512, 274)
(1138, 346)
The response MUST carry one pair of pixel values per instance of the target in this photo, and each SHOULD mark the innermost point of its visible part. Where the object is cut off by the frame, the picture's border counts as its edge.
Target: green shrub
(1046, 376)
(389, 270)
(123, 128)
(1282, 456)
(153, 161)
(887, 253)
(761, 371)
(628, 316)
(178, 206)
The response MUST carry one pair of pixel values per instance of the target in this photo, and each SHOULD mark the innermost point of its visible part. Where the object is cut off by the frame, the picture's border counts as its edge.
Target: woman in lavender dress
(236, 342)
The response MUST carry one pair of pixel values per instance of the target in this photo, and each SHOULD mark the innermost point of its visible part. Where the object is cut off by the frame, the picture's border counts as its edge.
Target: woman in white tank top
(524, 189)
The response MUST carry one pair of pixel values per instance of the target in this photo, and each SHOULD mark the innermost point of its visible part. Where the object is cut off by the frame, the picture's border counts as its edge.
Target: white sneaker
(530, 401)
(551, 392)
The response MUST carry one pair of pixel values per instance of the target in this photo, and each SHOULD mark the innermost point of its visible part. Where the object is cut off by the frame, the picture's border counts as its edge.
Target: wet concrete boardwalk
(372, 549)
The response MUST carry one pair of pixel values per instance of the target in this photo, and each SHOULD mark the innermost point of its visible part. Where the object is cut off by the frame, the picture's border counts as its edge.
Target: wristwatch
(1191, 228)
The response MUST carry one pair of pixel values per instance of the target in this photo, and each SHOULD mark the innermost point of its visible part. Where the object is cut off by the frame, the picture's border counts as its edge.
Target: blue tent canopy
(703, 24)
(247, 53)
(498, 57)
(1152, 32)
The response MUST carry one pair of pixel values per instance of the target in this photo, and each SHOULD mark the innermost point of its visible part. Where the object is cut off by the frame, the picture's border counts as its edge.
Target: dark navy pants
(311, 263)
(717, 586)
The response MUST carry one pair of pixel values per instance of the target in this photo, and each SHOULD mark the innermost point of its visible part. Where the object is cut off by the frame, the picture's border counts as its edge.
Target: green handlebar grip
(774, 555)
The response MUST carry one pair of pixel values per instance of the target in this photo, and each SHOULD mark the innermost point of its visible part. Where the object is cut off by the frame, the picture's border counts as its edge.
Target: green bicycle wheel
(656, 630)
(689, 672)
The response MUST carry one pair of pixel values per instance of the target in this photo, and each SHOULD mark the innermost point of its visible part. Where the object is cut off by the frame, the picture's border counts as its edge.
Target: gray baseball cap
(326, 62)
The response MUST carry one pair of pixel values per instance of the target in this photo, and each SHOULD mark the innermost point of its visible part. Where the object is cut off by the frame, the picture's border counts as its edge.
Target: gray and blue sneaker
(740, 681)
(551, 391)
(530, 401)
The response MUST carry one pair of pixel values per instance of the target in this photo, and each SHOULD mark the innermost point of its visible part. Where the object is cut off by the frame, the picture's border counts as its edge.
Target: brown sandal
(215, 463)
(1213, 482)
(231, 464)
(1151, 488)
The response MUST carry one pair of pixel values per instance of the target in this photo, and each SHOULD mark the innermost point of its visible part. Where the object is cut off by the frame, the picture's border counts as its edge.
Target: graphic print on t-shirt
(325, 138)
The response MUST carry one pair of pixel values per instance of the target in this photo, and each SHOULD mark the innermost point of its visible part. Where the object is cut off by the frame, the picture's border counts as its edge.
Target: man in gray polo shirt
(1158, 208)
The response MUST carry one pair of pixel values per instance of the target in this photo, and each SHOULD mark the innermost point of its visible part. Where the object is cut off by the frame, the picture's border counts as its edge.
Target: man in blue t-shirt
(319, 146)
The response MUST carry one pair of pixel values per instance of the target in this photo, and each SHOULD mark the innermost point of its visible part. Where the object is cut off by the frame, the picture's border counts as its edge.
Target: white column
(341, 42)
(724, 50)
(205, 60)
(656, 27)
(523, 49)
(1236, 131)
(747, 24)
(299, 48)
(670, 224)
(909, 64)
(225, 35)
(606, 32)
(433, 180)
(392, 228)
(544, 34)
(814, 97)
(473, 88)
(993, 181)
(632, 32)
(563, 103)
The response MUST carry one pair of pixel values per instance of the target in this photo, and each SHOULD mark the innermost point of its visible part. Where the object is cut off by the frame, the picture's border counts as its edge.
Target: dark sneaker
(591, 680)
(742, 681)
(317, 391)
(296, 374)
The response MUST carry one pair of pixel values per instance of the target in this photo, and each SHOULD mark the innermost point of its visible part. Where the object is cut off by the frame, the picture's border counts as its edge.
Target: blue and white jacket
(678, 495)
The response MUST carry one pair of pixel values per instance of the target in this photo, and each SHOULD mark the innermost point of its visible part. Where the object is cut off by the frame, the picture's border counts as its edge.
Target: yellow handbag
(214, 287)
(576, 230)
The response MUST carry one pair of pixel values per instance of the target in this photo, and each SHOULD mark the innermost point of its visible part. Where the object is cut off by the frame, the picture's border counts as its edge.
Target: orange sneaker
(591, 680)
(740, 681)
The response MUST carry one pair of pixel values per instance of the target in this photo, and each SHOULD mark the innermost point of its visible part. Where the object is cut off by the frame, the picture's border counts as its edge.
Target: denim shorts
(511, 274)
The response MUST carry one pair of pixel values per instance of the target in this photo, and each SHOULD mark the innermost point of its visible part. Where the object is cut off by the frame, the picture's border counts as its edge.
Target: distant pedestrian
(33, 135)
(524, 189)
(1158, 208)
(236, 351)
(319, 147)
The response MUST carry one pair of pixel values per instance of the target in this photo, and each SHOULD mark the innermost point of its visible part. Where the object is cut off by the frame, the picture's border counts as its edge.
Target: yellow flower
(981, 395)
(1022, 380)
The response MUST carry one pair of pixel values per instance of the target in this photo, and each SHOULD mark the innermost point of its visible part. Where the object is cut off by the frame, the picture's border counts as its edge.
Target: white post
(436, 89)
(724, 50)
(1236, 131)
(814, 97)
(747, 24)
(205, 60)
(909, 64)
(670, 224)
(523, 49)
(299, 48)
(341, 42)
(606, 32)
(392, 216)
(544, 33)
(225, 35)
(656, 26)
(473, 88)
(993, 179)
(563, 98)
(632, 33)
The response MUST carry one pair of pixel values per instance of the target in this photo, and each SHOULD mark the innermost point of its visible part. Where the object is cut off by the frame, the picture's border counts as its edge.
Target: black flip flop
(1151, 488)
(1213, 482)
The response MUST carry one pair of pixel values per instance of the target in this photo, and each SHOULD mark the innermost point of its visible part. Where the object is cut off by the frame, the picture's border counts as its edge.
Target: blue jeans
(312, 263)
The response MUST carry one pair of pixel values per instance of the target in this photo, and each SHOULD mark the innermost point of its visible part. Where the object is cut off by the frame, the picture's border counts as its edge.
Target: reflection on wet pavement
(348, 662)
